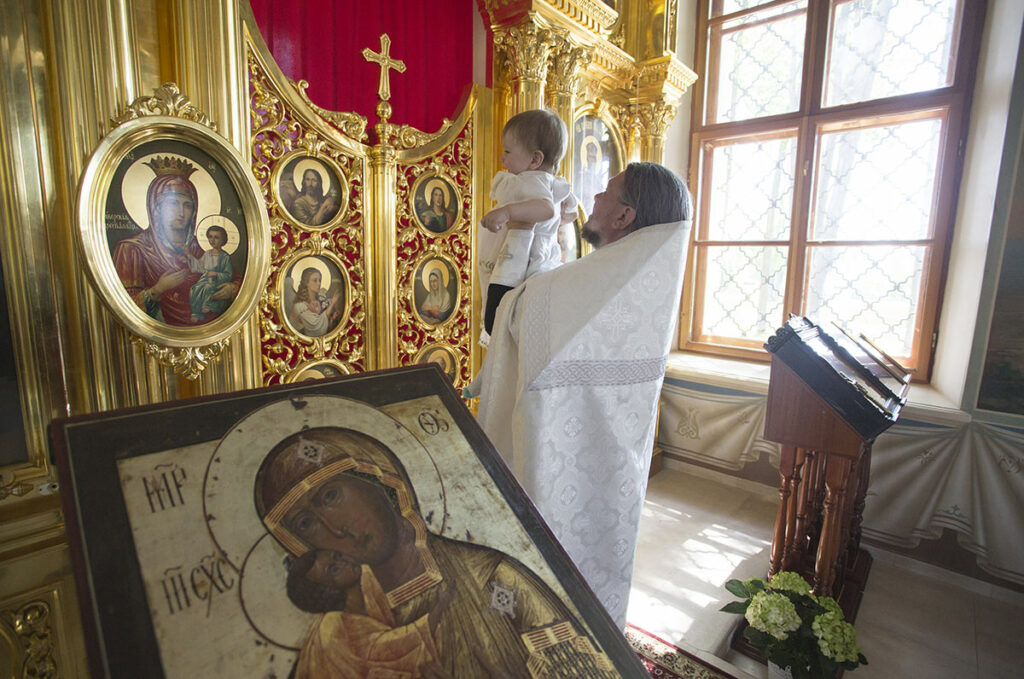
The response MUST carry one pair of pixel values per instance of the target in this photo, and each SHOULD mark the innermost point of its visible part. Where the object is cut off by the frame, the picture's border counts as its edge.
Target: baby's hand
(568, 215)
(495, 219)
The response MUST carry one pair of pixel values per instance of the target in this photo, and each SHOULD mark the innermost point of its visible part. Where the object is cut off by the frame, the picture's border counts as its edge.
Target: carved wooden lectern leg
(805, 508)
(787, 463)
(790, 556)
(857, 514)
(837, 473)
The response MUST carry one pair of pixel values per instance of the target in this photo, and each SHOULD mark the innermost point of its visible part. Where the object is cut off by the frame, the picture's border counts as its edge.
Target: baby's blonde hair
(540, 130)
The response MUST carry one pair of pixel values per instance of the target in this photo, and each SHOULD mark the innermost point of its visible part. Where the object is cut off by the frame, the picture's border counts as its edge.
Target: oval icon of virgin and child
(177, 233)
(361, 553)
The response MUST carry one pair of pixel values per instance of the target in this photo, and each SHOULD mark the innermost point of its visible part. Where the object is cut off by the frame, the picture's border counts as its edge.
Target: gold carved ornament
(450, 253)
(525, 48)
(28, 629)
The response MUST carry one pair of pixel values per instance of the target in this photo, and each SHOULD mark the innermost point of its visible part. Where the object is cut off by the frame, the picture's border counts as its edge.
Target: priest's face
(610, 217)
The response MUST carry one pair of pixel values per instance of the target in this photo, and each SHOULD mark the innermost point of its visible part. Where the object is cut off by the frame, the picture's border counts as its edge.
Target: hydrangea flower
(816, 645)
(790, 582)
(830, 605)
(836, 638)
(773, 614)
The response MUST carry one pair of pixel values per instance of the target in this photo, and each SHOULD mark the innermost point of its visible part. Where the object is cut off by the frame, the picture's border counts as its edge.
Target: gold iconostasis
(300, 243)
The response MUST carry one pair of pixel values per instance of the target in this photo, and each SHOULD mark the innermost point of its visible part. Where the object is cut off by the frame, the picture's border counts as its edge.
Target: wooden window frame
(808, 123)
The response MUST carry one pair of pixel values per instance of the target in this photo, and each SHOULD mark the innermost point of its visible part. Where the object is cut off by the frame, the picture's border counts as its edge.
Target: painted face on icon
(333, 568)
(311, 182)
(437, 197)
(216, 239)
(174, 213)
(348, 515)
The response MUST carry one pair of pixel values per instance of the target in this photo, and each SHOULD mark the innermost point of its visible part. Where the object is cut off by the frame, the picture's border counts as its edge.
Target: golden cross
(385, 61)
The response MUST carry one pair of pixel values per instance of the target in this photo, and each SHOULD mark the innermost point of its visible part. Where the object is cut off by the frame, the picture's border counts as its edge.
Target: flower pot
(776, 672)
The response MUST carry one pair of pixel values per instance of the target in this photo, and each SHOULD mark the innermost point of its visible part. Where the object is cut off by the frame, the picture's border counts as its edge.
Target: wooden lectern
(829, 397)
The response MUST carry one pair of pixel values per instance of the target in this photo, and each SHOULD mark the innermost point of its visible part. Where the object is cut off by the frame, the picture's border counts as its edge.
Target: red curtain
(322, 41)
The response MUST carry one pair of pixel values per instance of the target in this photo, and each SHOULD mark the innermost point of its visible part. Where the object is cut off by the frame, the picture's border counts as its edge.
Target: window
(826, 156)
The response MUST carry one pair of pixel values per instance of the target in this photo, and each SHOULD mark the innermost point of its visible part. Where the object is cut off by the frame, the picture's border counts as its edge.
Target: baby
(533, 202)
(215, 269)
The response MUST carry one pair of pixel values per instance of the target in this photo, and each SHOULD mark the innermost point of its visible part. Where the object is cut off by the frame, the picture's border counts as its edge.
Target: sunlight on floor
(697, 534)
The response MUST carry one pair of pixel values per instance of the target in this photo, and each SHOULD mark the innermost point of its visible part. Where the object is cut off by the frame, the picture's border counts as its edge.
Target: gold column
(525, 48)
(128, 49)
(568, 62)
(628, 118)
(655, 119)
(381, 253)
(93, 74)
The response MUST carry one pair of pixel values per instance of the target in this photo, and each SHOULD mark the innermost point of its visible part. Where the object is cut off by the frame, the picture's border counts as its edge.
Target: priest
(570, 387)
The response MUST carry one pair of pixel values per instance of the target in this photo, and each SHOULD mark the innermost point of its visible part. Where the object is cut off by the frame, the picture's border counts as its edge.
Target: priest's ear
(624, 218)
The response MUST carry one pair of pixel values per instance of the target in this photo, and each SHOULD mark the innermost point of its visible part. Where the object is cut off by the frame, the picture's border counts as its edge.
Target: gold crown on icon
(162, 165)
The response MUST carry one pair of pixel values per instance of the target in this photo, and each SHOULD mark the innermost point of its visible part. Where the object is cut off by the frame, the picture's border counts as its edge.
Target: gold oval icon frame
(331, 165)
(282, 278)
(95, 186)
(419, 358)
(296, 374)
(425, 182)
(419, 271)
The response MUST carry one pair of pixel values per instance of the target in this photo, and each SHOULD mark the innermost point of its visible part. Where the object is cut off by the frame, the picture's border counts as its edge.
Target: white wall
(677, 142)
(983, 157)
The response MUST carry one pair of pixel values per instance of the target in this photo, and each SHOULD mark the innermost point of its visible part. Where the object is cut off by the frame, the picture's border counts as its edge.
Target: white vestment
(569, 394)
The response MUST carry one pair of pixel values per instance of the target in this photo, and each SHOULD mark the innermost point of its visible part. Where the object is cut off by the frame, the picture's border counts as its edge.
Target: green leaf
(739, 607)
(756, 637)
(737, 587)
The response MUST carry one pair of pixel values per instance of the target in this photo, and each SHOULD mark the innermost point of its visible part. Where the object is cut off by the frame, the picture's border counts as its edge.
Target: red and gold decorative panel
(434, 245)
(314, 309)
(372, 246)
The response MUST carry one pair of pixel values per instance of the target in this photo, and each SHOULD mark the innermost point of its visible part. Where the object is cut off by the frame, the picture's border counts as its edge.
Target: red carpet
(666, 661)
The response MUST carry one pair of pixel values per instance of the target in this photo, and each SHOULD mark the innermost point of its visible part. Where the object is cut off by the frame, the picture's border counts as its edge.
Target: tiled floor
(699, 530)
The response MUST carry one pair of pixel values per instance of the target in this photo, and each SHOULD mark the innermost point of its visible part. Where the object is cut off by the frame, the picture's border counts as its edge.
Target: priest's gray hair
(656, 194)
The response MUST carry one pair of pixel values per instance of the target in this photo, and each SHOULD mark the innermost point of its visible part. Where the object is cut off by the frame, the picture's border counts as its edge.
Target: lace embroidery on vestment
(600, 373)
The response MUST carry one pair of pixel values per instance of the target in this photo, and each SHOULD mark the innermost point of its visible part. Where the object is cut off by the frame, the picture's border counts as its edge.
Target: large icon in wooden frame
(287, 528)
(172, 227)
